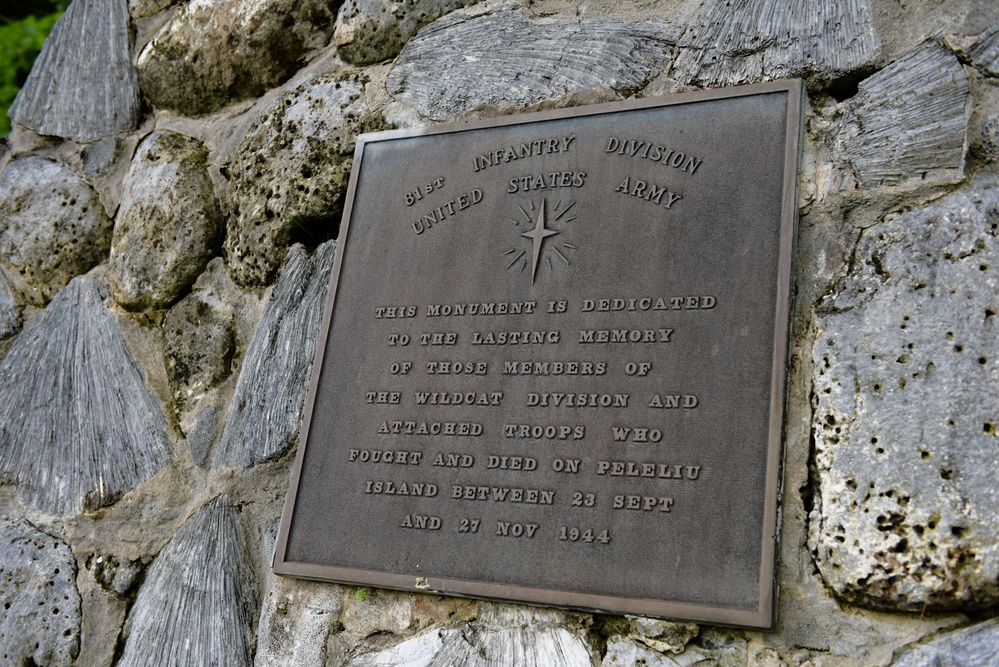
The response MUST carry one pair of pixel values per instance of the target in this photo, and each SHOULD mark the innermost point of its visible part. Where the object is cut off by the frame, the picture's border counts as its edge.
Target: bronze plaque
(553, 358)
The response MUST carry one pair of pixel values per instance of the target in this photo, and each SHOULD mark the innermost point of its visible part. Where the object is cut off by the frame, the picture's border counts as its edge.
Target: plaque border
(764, 616)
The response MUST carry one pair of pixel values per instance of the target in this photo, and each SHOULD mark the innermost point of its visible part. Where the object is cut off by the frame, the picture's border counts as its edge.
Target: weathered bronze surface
(552, 367)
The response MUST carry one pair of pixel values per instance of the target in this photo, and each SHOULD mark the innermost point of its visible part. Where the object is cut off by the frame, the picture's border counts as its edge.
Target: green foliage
(362, 594)
(20, 42)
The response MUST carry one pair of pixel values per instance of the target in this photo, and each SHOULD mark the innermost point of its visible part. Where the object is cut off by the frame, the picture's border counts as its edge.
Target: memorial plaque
(553, 359)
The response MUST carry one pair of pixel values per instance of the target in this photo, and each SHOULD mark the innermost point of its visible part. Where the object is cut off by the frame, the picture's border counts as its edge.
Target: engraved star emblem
(538, 234)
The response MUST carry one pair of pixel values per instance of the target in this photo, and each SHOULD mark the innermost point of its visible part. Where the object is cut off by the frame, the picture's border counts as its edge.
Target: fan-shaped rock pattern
(974, 646)
(40, 623)
(266, 410)
(747, 42)
(10, 310)
(502, 635)
(908, 119)
(52, 227)
(980, 49)
(78, 428)
(198, 603)
(462, 61)
(290, 173)
(906, 365)
(370, 31)
(83, 85)
(213, 52)
(168, 225)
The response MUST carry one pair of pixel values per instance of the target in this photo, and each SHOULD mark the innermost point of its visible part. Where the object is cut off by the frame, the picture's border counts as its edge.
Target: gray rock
(143, 8)
(10, 309)
(115, 575)
(52, 227)
(747, 42)
(906, 416)
(198, 603)
(975, 646)
(502, 635)
(622, 652)
(908, 119)
(82, 85)
(213, 52)
(78, 428)
(200, 340)
(462, 60)
(980, 49)
(289, 175)
(40, 623)
(370, 31)
(266, 410)
(201, 435)
(662, 636)
(168, 226)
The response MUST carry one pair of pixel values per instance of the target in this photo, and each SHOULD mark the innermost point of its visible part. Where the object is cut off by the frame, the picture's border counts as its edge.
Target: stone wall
(168, 203)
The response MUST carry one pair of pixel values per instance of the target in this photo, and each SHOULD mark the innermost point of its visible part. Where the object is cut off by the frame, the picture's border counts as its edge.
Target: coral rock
(200, 340)
(10, 309)
(980, 49)
(370, 31)
(974, 646)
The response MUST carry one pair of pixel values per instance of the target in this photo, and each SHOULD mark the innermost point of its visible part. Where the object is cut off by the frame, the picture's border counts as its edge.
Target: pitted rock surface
(168, 226)
(290, 174)
(40, 623)
(200, 340)
(52, 227)
(214, 52)
(906, 420)
(143, 8)
(370, 31)
(462, 60)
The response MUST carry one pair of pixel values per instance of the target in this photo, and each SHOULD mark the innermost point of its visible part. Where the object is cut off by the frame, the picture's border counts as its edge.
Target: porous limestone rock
(199, 333)
(908, 121)
(974, 646)
(143, 8)
(370, 31)
(40, 623)
(463, 60)
(199, 601)
(78, 428)
(52, 227)
(290, 174)
(266, 409)
(215, 52)
(83, 85)
(10, 309)
(661, 636)
(748, 42)
(501, 635)
(981, 49)
(906, 417)
(168, 226)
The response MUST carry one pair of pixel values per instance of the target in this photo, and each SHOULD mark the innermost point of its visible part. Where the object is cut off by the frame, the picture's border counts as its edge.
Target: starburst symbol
(538, 234)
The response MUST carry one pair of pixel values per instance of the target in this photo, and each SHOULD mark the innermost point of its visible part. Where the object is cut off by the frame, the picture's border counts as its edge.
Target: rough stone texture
(908, 121)
(82, 85)
(622, 652)
(747, 42)
(290, 173)
(40, 623)
(143, 8)
(266, 410)
(906, 417)
(370, 31)
(975, 646)
(52, 227)
(461, 60)
(78, 428)
(212, 53)
(201, 435)
(10, 309)
(662, 636)
(198, 603)
(168, 226)
(502, 635)
(980, 50)
(200, 340)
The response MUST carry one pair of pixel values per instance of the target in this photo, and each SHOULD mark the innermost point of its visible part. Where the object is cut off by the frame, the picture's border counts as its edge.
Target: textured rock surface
(212, 53)
(78, 428)
(201, 434)
(290, 174)
(40, 623)
(662, 636)
(369, 31)
(200, 340)
(10, 309)
(52, 227)
(747, 42)
(266, 410)
(908, 120)
(906, 418)
(168, 226)
(142, 8)
(980, 49)
(975, 646)
(502, 57)
(502, 635)
(83, 86)
(198, 604)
